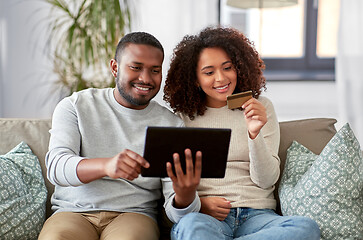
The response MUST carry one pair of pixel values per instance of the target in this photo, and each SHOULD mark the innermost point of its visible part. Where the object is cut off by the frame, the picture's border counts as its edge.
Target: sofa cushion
(22, 194)
(326, 187)
(35, 132)
(313, 133)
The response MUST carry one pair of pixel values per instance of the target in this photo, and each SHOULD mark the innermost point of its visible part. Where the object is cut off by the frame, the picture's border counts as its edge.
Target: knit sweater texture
(92, 124)
(252, 166)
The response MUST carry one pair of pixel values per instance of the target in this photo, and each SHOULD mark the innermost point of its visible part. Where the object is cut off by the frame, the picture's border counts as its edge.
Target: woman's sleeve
(263, 150)
(175, 214)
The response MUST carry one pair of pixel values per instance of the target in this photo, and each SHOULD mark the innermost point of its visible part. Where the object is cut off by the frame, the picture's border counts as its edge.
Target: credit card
(238, 99)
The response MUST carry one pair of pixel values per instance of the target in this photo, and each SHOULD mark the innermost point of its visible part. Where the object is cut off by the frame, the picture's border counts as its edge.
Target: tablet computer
(162, 142)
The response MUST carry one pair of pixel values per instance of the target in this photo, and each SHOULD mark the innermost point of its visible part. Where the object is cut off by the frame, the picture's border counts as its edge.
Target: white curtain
(349, 65)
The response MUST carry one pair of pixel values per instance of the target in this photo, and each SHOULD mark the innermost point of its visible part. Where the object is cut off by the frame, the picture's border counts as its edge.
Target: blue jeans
(245, 224)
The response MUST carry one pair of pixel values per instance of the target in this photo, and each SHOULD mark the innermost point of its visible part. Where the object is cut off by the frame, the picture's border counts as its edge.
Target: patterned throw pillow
(327, 187)
(22, 194)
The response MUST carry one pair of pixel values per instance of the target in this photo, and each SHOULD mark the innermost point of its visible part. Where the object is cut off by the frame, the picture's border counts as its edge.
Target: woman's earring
(199, 89)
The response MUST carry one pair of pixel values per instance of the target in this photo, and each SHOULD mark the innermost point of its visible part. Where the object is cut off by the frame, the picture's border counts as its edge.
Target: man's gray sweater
(92, 124)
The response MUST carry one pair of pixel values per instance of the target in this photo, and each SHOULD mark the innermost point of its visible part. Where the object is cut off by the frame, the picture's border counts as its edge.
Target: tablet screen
(162, 142)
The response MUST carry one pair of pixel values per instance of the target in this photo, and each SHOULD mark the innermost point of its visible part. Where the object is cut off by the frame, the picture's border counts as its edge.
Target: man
(94, 158)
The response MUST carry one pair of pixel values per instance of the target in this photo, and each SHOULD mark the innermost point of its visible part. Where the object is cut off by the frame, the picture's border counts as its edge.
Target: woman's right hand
(216, 207)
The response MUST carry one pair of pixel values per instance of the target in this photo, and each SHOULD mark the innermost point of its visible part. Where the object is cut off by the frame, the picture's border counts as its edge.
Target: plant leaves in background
(83, 35)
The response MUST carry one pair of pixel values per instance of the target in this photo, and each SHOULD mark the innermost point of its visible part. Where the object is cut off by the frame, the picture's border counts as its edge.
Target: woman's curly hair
(181, 89)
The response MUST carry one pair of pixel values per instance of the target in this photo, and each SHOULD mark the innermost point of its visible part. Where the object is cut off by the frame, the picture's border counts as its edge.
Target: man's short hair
(137, 38)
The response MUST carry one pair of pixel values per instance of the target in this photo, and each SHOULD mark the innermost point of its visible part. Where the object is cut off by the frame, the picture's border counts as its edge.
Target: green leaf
(84, 35)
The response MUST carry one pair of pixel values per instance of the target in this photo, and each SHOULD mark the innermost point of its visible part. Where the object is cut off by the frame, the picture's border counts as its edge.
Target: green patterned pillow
(327, 187)
(22, 194)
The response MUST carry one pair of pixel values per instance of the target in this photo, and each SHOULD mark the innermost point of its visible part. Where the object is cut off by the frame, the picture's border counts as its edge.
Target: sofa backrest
(312, 133)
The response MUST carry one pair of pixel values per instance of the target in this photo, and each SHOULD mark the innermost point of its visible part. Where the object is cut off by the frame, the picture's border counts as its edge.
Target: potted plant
(83, 35)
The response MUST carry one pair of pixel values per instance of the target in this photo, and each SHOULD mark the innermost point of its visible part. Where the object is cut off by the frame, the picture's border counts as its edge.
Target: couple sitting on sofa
(97, 137)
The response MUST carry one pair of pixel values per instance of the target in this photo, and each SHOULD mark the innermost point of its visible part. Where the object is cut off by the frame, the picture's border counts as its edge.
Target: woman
(205, 69)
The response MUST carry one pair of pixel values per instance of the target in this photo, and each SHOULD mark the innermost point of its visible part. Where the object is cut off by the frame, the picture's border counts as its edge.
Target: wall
(181, 18)
(296, 100)
(26, 88)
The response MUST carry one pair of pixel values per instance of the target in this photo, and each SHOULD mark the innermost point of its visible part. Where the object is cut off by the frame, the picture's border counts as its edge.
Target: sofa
(313, 133)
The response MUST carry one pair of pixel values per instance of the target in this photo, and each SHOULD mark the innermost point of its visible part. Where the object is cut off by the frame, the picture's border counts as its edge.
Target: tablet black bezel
(162, 142)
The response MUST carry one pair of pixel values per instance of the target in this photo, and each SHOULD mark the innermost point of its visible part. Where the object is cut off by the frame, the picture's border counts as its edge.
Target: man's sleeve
(63, 157)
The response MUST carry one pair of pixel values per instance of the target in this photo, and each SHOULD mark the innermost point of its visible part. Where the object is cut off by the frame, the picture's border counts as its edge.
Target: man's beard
(141, 101)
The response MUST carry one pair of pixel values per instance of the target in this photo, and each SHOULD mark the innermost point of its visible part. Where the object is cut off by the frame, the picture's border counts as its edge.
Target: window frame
(309, 67)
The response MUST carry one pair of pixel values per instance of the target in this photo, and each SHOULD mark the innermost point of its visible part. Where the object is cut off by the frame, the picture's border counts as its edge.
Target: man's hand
(127, 164)
(255, 115)
(216, 207)
(185, 185)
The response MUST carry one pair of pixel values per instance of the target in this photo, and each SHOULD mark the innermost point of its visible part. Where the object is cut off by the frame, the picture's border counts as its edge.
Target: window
(296, 42)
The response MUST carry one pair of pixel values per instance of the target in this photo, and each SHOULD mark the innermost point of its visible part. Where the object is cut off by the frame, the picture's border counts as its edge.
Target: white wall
(296, 100)
(24, 69)
(169, 27)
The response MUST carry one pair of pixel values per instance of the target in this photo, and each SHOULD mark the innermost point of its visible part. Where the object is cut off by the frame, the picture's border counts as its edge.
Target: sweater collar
(129, 111)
